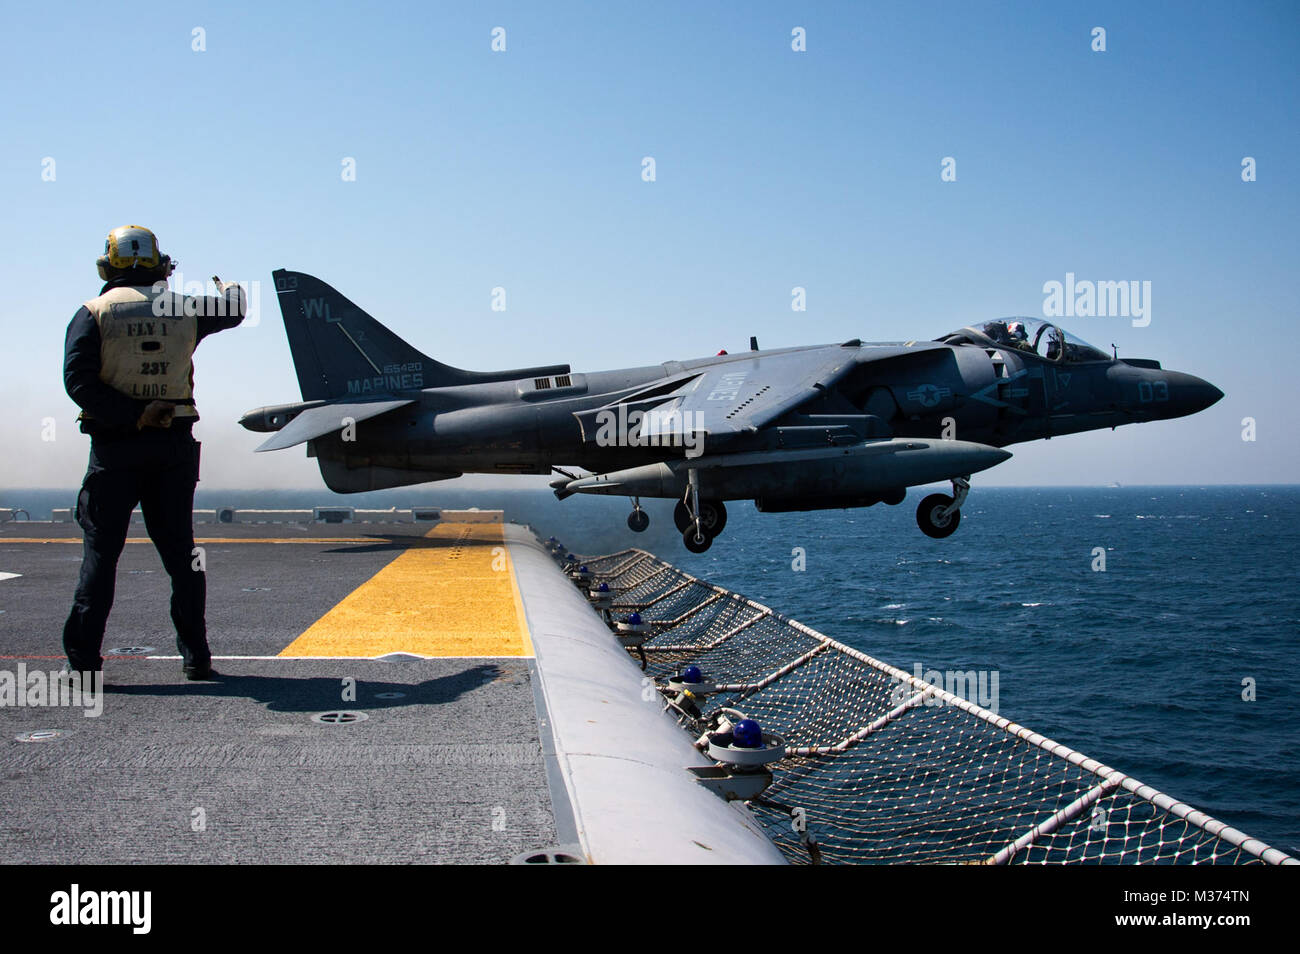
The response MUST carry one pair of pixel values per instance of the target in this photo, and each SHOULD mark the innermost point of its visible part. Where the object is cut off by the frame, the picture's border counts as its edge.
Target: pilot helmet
(1017, 330)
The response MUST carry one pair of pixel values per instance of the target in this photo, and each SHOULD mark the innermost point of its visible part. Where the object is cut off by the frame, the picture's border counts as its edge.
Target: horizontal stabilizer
(318, 421)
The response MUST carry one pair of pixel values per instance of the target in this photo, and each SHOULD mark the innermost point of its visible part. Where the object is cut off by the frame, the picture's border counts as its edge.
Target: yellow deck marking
(442, 597)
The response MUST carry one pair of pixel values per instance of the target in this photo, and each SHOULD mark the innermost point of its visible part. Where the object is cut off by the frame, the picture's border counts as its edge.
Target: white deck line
(623, 760)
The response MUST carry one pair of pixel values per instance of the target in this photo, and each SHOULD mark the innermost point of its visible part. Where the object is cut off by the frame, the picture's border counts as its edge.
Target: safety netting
(882, 766)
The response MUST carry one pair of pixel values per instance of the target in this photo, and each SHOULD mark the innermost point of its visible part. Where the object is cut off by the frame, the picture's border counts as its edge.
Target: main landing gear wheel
(638, 520)
(696, 542)
(935, 519)
(713, 517)
(682, 517)
(698, 520)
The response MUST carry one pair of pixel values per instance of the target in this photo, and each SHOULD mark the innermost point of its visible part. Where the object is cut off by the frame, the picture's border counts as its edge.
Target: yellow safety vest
(146, 345)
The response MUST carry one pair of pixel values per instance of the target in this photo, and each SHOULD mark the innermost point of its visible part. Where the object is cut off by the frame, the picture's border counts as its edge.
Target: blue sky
(522, 169)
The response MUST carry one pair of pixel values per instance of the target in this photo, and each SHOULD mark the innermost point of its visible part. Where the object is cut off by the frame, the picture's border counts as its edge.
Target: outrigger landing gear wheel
(638, 520)
(696, 543)
(934, 518)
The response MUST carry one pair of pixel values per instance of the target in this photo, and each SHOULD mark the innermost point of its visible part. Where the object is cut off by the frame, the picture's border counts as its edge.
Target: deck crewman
(127, 364)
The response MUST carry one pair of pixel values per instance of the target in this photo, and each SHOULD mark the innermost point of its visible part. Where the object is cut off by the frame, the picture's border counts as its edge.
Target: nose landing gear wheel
(694, 543)
(638, 520)
(931, 519)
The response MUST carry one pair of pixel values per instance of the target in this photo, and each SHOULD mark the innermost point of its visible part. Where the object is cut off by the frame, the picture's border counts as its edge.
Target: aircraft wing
(318, 421)
(736, 396)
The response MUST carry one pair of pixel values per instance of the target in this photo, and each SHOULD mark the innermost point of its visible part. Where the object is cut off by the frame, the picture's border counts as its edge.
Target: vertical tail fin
(339, 351)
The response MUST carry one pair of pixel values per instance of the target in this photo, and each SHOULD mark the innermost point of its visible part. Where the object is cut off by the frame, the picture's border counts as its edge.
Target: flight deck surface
(447, 766)
(388, 693)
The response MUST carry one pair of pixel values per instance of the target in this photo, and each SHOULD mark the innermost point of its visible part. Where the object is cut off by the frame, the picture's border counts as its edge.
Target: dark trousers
(158, 472)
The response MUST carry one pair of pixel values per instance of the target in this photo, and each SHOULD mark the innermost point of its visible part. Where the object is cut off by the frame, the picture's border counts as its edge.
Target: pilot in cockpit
(1017, 337)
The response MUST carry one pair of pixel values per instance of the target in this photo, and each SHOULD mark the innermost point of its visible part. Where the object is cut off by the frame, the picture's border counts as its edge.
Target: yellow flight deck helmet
(132, 246)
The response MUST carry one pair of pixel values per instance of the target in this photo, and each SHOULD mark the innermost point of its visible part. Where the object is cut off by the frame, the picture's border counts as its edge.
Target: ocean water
(1141, 666)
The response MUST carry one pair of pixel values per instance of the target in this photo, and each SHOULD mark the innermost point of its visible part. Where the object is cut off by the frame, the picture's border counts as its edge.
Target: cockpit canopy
(1031, 336)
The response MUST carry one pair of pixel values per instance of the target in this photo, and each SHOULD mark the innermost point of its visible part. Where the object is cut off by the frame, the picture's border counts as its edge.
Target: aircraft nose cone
(1194, 394)
(1189, 394)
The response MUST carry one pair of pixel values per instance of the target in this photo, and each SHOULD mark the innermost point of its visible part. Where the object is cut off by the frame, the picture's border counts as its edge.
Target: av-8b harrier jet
(808, 428)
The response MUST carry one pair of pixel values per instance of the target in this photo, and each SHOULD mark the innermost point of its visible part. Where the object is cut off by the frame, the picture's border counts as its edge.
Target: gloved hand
(233, 292)
(156, 414)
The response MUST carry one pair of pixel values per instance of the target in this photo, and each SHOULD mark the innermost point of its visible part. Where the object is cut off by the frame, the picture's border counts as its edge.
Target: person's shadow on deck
(325, 693)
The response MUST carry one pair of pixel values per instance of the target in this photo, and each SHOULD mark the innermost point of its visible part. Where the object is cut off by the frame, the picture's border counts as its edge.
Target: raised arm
(220, 313)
